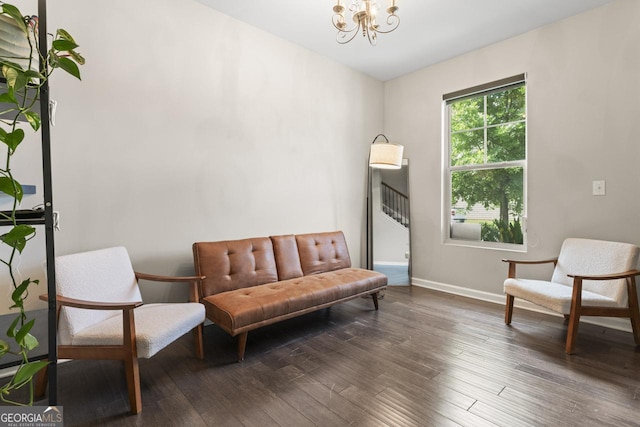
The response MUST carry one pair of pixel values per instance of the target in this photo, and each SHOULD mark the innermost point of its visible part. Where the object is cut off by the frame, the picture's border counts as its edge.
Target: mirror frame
(369, 219)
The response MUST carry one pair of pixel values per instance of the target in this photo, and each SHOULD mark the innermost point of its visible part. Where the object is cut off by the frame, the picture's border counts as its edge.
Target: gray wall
(583, 93)
(192, 126)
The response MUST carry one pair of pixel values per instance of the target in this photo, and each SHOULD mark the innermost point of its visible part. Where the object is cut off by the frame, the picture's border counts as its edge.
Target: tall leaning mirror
(390, 230)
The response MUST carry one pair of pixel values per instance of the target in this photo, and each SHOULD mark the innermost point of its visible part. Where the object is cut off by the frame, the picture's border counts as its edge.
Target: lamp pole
(369, 221)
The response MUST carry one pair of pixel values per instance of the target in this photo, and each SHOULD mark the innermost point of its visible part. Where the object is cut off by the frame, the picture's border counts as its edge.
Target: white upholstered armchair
(101, 315)
(591, 278)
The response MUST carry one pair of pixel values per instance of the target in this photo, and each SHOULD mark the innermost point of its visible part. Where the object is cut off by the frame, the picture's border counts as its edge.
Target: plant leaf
(11, 331)
(13, 12)
(64, 35)
(24, 331)
(17, 294)
(9, 64)
(27, 371)
(34, 75)
(16, 78)
(8, 97)
(13, 139)
(64, 45)
(17, 237)
(69, 66)
(77, 57)
(30, 342)
(4, 348)
(11, 74)
(34, 119)
(11, 187)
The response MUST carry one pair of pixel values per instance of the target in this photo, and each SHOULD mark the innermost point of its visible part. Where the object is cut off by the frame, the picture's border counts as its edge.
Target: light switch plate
(598, 188)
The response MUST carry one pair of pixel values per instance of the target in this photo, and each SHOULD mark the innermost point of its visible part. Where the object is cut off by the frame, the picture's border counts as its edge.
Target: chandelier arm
(336, 20)
(343, 34)
(371, 35)
(390, 22)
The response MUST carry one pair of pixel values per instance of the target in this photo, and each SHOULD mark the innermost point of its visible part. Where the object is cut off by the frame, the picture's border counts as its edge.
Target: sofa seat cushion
(157, 325)
(554, 296)
(244, 309)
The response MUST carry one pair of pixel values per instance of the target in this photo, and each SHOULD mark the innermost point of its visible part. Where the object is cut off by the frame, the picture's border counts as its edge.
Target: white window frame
(447, 169)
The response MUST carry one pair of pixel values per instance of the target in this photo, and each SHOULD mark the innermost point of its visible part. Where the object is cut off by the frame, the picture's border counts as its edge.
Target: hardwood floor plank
(386, 413)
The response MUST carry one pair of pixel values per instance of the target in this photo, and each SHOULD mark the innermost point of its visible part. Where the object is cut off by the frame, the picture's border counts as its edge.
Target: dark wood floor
(425, 358)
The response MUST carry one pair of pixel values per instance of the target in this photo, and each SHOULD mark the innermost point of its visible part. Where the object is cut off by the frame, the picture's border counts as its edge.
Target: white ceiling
(430, 31)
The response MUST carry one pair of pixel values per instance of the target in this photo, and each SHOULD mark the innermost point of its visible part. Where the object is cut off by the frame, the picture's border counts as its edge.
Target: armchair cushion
(554, 296)
(104, 275)
(157, 325)
(592, 257)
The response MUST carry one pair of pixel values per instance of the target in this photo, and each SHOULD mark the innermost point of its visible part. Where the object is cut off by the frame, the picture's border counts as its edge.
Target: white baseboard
(613, 323)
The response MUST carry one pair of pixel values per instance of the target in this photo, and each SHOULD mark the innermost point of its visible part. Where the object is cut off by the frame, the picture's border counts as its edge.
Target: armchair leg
(572, 331)
(42, 378)
(197, 331)
(132, 372)
(242, 344)
(634, 312)
(508, 309)
(374, 297)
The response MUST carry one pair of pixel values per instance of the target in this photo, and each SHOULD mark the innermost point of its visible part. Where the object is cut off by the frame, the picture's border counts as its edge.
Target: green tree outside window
(487, 146)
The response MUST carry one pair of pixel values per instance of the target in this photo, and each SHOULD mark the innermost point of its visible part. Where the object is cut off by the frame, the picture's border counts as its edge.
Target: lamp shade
(385, 156)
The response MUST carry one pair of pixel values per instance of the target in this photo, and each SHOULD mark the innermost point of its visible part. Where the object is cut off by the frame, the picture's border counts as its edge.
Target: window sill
(479, 244)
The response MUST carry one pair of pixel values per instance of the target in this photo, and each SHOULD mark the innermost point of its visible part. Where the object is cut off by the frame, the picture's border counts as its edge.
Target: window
(485, 132)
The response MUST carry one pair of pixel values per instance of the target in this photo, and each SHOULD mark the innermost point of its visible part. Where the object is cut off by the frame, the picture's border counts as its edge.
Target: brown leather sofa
(259, 281)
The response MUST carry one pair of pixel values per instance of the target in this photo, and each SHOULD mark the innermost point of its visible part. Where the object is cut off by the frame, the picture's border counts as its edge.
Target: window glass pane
(506, 143)
(467, 148)
(507, 106)
(467, 114)
(487, 205)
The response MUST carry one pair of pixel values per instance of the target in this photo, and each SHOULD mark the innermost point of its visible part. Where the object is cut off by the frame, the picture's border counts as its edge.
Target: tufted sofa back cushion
(234, 264)
(287, 258)
(321, 252)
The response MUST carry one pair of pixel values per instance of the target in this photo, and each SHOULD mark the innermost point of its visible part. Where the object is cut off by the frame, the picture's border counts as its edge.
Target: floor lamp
(382, 155)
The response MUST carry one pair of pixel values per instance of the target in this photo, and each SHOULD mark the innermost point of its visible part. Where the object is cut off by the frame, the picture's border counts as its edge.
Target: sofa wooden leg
(374, 297)
(508, 309)
(42, 378)
(242, 344)
(197, 332)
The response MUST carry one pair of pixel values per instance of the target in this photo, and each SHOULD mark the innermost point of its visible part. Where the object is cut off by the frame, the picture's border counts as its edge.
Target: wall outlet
(598, 188)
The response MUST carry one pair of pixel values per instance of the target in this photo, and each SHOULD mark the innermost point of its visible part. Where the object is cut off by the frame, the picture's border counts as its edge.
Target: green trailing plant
(18, 96)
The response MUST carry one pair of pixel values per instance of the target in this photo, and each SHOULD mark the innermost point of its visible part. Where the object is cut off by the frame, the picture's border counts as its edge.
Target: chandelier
(363, 13)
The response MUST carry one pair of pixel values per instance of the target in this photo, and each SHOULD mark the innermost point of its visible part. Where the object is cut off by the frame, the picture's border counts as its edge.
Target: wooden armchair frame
(577, 309)
(126, 352)
(508, 312)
